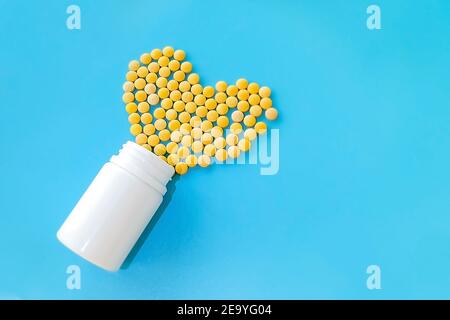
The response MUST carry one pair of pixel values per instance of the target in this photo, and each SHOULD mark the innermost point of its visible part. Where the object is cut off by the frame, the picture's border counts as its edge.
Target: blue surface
(364, 153)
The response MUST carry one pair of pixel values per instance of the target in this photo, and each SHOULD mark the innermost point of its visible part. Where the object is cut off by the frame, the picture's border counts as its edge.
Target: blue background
(364, 153)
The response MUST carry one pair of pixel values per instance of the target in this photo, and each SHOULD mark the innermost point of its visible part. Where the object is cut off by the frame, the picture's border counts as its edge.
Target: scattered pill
(146, 118)
(172, 147)
(209, 150)
(173, 159)
(133, 65)
(193, 78)
(171, 114)
(265, 103)
(181, 168)
(142, 72)
(128, 86)
(232, 90)
(191, 160)
(134, 118)
(159, 149)
(232, 102)
(179, 55)
(197, 146)
(161, 82)
(128, 97)
(233, 152)
(153, 99)
(176, 136)
(160, 124)
(149, 129)
(223, 121)
(253, 88)
(174, 65)
(179, 106)
(174, 125)
(220, 142)
(220, 97)
(179, 75)
(243, 94)
(168, 51)
(236, 128)
(186, 67)
(207, 138)
(153, 67)
(131, 107)
(232, 139)
(221, 86)
(153, 140)
(183, 152)
(237, 116)
(242, 84)
(135, 129)
(271, 114)
(204, 161)
(141, 138)
(260, 127)
(254, 99)
(244, 144)
(249, 120)
(164, 135)
(131, 76)
(221, 155)
(156, 54)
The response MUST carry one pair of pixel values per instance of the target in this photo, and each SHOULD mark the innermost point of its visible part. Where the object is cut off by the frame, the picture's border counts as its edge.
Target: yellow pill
(254, 99)
(186, 67)
(135, 129)
(146, 146)
(184, 86)
(255, 111)
(128, 97)
(232, 139)
(153, 99)
(172, 85)
(266, 103)
(143, 107)
(242, 83)
(134, 118)
(260, 127)
(222, 109)
(131, 107)
(168, 51)
(151, 77)
(166, 103)
(271, 114)
(243, 94)
(184, 117)
(244, 144)
(140, 83)
(174, 125)
(236, 128)
(250, 134)
(156, 54)
(146, 58)
(160, 124)
(223, 121)
(141, 139)
(208, 91)
(197, 146)
(188, 97)
(163, 158)
(173, 159)
(220, 142)
(150, 88)
(220, 97)
(159, 149)
(209, 150)
(201, 111)
(179, 76)
(142, 72)
(195, 122)
(164, 135)
(149, 129)
(200, 100)
(197, 89)
(243, 106)
(161, 82)
(174, 65)
(210, 104)
(181, 168)
(212, 115)
(237, 116)
(193, 78)
(183, 152)
(175, 95)
(232, 102)
(171, 114)
(221, 155)
(133, 65)
(179, 106)
(204, 161)
(146, 118)
(221, 86)
(176, 136)
(187, 141)
(153, 140)
(191, 160)
(185, 128)
(153, 67)
(264, 92)
(159, 113)
(179, 55)
(164, 72)
(232, 90)
(207, 138)
(172, 147)
(206, 126)
(196, 133)
(131, 76)
(249, 120)
(233, 152)
(163, 61)
(128, 86)
(140, 96)
(163, 93)
(190, 106)
(253, 88)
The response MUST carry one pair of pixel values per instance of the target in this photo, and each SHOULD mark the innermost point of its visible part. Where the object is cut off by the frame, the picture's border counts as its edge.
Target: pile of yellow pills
(188, 124)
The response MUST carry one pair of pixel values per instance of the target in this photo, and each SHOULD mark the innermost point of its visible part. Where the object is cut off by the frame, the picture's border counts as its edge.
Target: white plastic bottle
(115, 209)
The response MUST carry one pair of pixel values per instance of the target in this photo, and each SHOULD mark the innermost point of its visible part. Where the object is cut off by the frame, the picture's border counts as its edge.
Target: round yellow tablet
(207, 138)
(173, 159)
(188, 97)
(175, 95)
(220, 97)
(191, 160)
(140, 96)
(146, 58)
(190, 106)
(217, 132)
(244, 144)
(156, 54)
(212, 115)
(150, 88)
(222, 109)
(250, 134)
(200, 99)
(237, 116)
(209, 150)
(243, 94)
(163, 93)
(179, 55)
(179, 106)
(149, 129)
(204, 161)
(128, 86)
(168, 51)
(142, 72)
(146, 146)
(193, 78)
(236, 128)
(153, 99)
(174, 125)
(232, 90)
(233, 152)
(153, 140)
(195, 122)
(141, 138)
(172, 147)
(208, 91)
(185, 128)
(160, 124)
(232, 139)
(134, 118)
(164, 72)
(253, 88)
(128, 97)
(201, 111)
(186, 67)
(183, 152)
(133, 65)
(184, 117)
(197, 89)
(264, 92)
(255, 111)
(171, 114)
(176, 136)
(271, 114)
(242, 83)
(265, 103)
(164, 135)
(220, 142)
(206, 126)
(197, 146)
(196, 133)
(166, 103)
(153, 67)
(161, 82)
(140, 83)
(146, 118)
(151, 77)
(232, 102)
(249, 120)
(172, 85)
(223, 121)
(163, 158)
(243, 106)
(159, 149)
(131, 76)
(260, 127)
(187, 141)
(254, 99)
(181, 168)
(135, 129)
(221, 155)
(159, 113)
(221, 86)
(131, 107)
(210, 104)
(184, 86)
(174, 65)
